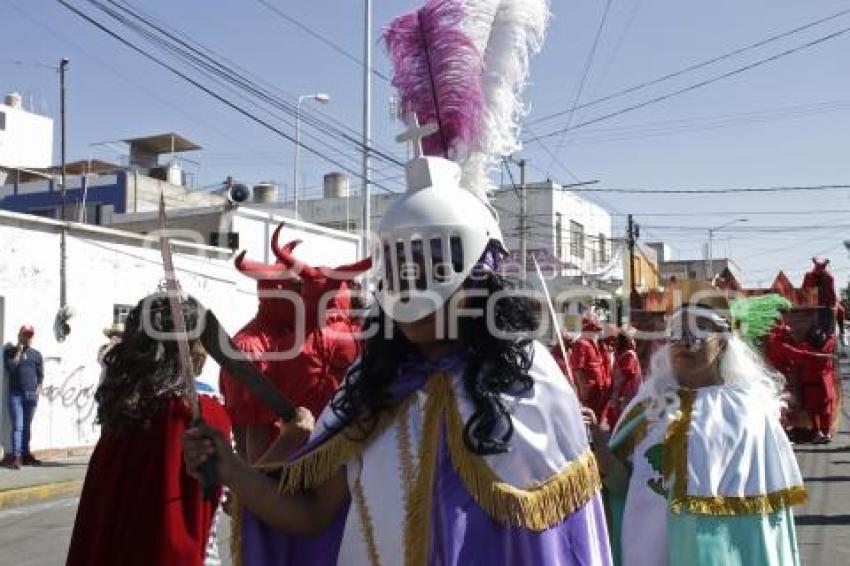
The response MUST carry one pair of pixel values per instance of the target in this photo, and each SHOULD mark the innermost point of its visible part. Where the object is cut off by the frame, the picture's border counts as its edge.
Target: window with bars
(559, 235)
(603, 248)
(576, 239)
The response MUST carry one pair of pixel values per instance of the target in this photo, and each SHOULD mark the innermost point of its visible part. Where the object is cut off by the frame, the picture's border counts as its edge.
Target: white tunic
(548, 434)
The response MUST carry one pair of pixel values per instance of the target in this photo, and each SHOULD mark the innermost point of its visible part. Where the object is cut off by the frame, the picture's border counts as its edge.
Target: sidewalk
(55, 478)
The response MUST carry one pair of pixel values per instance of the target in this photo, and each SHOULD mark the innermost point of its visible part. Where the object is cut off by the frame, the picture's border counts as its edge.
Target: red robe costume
(817, 378)
(327, 347)
(819, 288)
(138, 506)
(590, 357)
(781, 354)
(820, 281)
(627, 379)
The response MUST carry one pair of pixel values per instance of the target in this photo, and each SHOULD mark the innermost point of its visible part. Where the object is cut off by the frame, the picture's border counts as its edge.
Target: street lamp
(710, 264)
(322, 98)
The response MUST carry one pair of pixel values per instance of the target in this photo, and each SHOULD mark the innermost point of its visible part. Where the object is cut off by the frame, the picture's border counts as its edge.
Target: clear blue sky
(783, 124)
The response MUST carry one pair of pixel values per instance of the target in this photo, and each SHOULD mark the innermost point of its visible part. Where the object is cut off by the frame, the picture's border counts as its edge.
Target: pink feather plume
(438, 73)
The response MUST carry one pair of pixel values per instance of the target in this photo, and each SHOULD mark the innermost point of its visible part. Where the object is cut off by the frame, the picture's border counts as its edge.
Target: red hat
(590, 323)
(27, 329)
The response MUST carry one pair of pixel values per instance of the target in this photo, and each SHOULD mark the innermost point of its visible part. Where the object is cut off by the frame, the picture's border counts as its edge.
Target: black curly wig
(143, 373)
(497, 365)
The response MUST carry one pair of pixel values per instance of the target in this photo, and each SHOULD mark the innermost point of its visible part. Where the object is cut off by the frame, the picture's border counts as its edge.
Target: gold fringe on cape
(675, 461)
(747, 505)
(420, 495)
(536, 508)
(675, 465)
(366, 525)
(318, 466)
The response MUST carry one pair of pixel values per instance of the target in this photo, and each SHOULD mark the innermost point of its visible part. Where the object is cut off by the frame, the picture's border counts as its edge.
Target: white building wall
(544, 203)
(320, 245)
(26, 139)
(337, 210)
(107, 267)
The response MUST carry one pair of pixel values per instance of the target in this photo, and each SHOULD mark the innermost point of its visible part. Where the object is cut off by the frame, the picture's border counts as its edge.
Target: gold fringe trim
(420, 497)
(675, 465)
(405, 448)
(536, 508)
(626, 448)
(317, 467)
(235, 531)
(675, 460)
(747, 505)
(366, 525)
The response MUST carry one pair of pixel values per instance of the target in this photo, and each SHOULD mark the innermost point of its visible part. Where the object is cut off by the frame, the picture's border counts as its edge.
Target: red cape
(138, 506)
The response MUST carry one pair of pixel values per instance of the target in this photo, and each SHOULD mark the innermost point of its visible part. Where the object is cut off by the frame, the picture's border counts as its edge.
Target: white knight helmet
(432, 238)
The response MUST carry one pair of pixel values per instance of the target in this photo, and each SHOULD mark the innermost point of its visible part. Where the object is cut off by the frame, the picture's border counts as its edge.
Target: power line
(209, 91)
(215, 71)
(20, 63)
(587, 66)
(695, 66)
(197, 55)
(140, 85)
(703, 123)
(321, 38)
(717, 191)
(740, 212)
(636, 6)
(754, 229)
(694, 86)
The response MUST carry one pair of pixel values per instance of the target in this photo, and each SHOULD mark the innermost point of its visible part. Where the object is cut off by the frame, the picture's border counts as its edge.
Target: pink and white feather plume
(463, 65)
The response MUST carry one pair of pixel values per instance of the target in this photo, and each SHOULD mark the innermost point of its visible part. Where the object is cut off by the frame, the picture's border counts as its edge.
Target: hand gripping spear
(213, 337)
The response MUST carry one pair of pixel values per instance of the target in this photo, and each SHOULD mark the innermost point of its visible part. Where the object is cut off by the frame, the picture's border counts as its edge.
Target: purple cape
(461, 532)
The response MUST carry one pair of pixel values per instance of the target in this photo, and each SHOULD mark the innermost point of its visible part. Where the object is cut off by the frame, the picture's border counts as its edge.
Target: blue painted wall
(114, 194)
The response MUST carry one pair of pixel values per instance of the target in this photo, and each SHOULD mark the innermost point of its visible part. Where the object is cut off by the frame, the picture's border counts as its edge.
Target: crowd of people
(603, 365)
(432, 429)
(419, 419)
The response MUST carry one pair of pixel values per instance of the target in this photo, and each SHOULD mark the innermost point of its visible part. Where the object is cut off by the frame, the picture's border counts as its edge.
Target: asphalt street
(38, 535)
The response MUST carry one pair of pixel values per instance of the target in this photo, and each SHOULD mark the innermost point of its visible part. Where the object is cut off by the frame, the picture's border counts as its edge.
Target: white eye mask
(684, 322)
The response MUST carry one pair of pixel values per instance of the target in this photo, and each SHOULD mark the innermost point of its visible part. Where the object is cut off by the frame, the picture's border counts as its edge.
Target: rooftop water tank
(337, 185)
(13, 99)
(265, 193)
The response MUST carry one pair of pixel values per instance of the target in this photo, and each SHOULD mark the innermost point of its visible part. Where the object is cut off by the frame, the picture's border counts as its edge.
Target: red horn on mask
(285, 257)
(349, 271)
(277, 248)
(258, 270)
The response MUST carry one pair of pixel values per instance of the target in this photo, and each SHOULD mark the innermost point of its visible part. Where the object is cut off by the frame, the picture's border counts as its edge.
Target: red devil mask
(313, 284)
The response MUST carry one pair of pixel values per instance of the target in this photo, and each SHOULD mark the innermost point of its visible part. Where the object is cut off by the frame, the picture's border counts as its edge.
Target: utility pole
(523, 219)
(632, 234)
(366, 193)
(709, 260)
(63, 258)
(522, 195)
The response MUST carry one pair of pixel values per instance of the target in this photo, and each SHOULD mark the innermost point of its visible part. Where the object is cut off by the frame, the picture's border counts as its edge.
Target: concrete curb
(33, 493)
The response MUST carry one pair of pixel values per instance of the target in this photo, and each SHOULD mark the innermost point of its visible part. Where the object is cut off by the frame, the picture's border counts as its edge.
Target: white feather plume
(507, 33)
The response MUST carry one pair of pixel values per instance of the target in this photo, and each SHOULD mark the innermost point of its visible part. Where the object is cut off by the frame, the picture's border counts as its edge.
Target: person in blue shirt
(24, 370)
